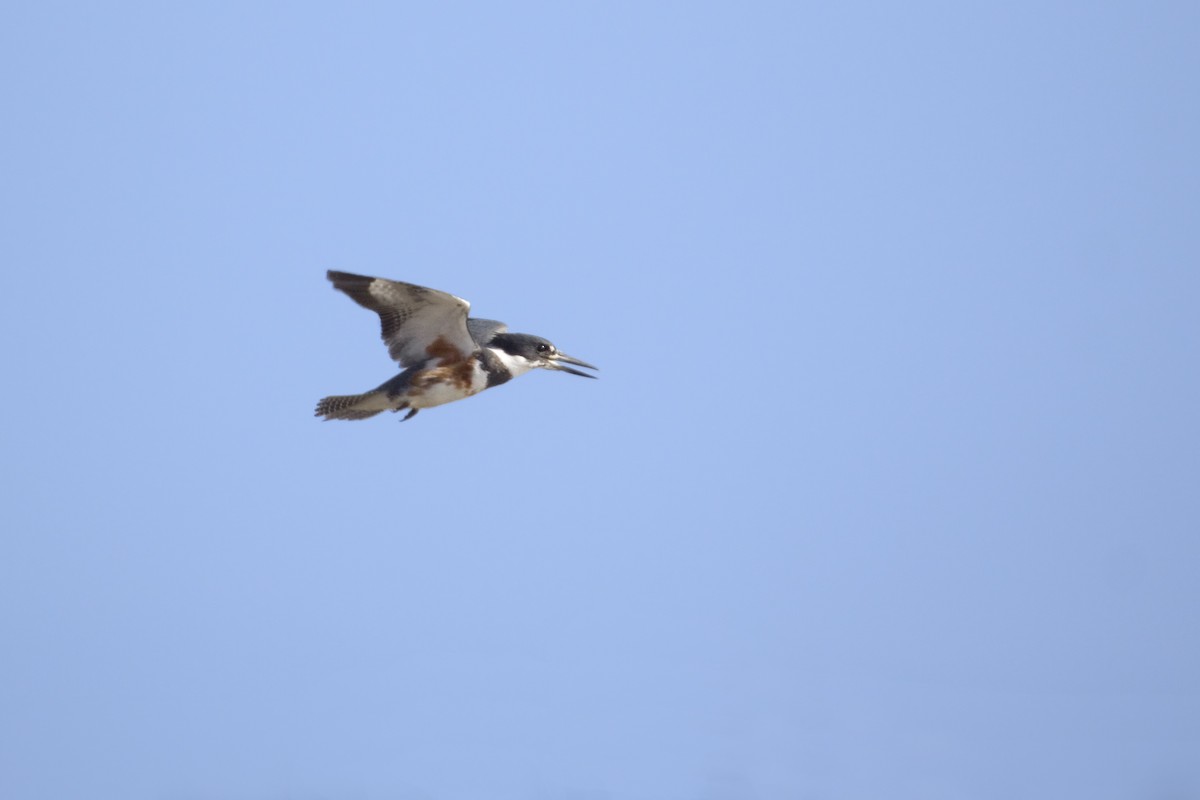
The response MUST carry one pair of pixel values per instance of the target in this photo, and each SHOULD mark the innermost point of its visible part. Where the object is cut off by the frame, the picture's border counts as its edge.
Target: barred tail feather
(353, 406)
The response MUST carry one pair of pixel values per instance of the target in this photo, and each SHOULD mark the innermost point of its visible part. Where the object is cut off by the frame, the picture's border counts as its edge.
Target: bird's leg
(412, 413)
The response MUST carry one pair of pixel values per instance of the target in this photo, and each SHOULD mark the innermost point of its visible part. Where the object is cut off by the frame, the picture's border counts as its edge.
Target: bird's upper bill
(556, 361)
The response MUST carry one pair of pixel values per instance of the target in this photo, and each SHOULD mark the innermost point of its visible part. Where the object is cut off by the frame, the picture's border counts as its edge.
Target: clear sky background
(890, 487)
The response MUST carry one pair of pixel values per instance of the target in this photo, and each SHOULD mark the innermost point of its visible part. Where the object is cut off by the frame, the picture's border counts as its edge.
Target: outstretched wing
(417, 323)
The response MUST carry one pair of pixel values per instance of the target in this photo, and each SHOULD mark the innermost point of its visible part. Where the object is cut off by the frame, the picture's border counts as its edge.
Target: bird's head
(525, 352)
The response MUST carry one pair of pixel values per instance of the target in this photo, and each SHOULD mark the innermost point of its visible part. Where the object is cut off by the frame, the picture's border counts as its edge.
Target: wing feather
(416, 323)
(483, 330)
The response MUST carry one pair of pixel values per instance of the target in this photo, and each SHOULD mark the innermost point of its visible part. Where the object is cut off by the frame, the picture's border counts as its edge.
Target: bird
(445, 355)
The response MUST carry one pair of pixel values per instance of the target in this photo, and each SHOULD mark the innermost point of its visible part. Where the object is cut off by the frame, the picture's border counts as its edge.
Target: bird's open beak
(553, 362)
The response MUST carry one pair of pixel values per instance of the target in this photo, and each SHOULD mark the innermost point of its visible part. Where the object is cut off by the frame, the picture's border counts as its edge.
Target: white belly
(443, 385)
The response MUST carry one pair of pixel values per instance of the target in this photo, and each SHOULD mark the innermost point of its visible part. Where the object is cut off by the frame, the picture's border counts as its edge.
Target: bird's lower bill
(558, 360)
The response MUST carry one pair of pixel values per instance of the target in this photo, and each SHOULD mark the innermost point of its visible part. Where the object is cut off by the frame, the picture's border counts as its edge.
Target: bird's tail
(354, 406)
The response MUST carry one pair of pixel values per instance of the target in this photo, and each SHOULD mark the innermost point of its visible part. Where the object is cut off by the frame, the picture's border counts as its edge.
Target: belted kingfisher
(446, 355)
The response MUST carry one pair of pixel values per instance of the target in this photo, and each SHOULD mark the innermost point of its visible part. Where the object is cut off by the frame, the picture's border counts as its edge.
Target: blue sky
(888, 487)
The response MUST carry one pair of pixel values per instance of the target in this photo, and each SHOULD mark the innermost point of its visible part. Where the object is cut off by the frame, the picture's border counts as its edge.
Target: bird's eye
(543, 348)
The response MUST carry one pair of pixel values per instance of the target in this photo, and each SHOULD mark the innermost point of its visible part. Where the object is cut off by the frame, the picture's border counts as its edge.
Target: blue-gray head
(522, 352)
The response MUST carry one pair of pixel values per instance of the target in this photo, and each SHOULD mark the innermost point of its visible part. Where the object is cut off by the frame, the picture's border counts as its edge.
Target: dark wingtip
(335, 277)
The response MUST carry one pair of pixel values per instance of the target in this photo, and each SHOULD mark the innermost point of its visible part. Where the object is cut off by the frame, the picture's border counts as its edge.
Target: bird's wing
(482, 330)
(417, 323)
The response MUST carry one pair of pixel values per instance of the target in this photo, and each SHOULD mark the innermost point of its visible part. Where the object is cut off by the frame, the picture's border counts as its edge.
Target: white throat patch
(517, 365)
